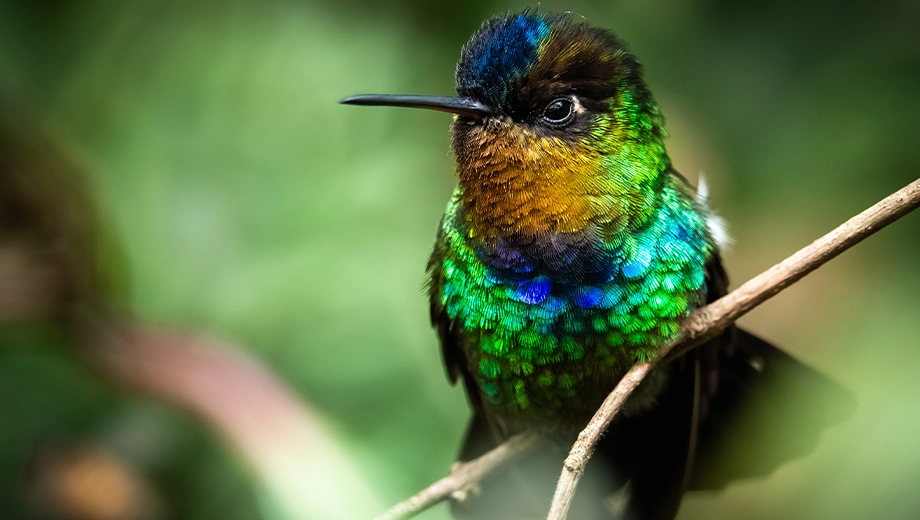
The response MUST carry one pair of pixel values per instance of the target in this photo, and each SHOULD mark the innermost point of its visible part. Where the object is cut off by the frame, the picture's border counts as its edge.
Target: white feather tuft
(717, 227)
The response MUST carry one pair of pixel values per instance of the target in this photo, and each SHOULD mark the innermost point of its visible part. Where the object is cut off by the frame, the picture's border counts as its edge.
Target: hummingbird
(570, 250)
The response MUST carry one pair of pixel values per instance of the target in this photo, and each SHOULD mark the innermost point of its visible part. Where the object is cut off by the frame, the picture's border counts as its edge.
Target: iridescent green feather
(527, 353)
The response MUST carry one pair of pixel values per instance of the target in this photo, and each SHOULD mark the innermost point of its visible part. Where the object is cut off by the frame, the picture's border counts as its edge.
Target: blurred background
(187, 165)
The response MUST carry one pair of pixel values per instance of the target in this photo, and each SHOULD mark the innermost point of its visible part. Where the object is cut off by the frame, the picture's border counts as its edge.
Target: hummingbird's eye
(559, 112)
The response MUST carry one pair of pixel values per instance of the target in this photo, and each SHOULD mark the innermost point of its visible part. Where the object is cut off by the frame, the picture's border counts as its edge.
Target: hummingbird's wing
(756, 406)
(769, 408)
(451, 351)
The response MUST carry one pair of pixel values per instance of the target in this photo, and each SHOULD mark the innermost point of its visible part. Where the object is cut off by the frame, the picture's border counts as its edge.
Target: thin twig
(574, 465)
(702, 325)
(707, 322)
(463, 476)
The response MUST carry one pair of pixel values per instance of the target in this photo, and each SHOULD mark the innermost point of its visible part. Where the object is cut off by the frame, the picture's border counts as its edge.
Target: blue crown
(501, 52)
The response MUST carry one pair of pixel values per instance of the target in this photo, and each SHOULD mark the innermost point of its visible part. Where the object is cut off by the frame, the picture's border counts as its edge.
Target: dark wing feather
(758, 407)
(770, 408)
(451, 351)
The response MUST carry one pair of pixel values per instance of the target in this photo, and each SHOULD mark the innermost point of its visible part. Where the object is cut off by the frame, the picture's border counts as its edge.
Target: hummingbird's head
(547, 72)
(554, 131)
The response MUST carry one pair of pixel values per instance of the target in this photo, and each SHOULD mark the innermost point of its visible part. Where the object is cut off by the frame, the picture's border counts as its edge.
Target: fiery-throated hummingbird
(570, 250)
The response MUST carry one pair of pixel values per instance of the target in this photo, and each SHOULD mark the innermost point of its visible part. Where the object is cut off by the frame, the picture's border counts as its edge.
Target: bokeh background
(233, 197)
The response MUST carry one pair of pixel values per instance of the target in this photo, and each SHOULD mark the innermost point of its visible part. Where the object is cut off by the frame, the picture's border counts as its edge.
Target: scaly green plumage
(533, 347)
(566, 254)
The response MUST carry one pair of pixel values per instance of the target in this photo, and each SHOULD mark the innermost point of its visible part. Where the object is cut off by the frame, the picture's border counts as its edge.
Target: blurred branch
(285, 442)
(702, 325)
(50, 273)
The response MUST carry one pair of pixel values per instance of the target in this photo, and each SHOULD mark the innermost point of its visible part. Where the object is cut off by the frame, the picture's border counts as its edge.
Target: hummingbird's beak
(463, 106)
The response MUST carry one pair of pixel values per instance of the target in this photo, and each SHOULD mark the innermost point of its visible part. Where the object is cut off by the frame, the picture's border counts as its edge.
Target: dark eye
(559, 112)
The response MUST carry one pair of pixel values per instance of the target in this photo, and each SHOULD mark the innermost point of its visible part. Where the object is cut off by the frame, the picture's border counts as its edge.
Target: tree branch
(702, 325)
(463, 477)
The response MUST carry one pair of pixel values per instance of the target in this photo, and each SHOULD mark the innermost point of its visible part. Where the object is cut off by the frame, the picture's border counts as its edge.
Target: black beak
(466, 107)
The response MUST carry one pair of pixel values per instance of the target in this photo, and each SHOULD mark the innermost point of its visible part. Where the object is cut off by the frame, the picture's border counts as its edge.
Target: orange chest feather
(529, 185)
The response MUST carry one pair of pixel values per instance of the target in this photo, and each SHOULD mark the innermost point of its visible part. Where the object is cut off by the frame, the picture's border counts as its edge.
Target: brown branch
(707, 322)
(574, 465)
(702, 325)
(463, 476)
